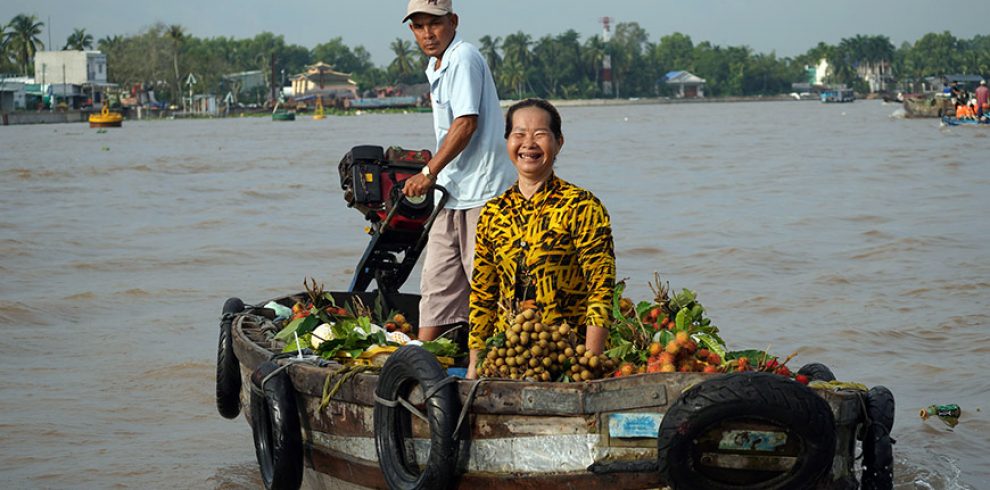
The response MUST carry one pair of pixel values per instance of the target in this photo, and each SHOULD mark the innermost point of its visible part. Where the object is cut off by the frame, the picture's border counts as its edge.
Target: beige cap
(432, 7)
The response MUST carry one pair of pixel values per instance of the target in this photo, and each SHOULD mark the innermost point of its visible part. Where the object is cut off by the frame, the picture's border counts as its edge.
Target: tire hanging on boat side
(694, 429)
(228, 368)
(275, 425)
(878, 451)
(407, 367)
(817, 372)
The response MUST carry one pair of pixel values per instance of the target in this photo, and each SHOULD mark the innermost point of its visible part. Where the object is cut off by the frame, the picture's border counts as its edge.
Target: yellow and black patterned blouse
(559, 243)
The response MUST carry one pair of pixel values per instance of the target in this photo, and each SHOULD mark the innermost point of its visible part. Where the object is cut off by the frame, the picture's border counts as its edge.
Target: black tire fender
(691, 428)
(405, 368)
(817, 372)
(878, 450)
(228, 368)
(275, 425)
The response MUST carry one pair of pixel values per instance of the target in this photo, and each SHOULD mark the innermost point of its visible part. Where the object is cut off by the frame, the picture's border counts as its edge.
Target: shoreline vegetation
(46, 117)
(563, 66)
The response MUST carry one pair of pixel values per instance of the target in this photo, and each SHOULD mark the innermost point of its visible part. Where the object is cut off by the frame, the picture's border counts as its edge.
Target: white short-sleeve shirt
(463, 85)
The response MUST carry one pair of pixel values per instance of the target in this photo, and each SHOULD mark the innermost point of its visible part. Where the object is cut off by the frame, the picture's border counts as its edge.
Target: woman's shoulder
(575, 193)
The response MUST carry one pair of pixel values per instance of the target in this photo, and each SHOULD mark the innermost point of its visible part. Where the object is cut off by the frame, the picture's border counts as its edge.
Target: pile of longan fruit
(533, 351)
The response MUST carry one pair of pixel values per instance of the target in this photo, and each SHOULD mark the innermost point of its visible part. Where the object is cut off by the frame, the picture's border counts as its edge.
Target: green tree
(592, 56)
(24, 41)
(176, 35)
(79, 40)
(340, 56)
(489, 49)
(628, 71)
(402, 65)
(5, 63)
(517, 59)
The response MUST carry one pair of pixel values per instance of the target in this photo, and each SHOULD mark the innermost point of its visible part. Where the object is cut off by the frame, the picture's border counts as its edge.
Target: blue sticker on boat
(752, 440)
(625, 425)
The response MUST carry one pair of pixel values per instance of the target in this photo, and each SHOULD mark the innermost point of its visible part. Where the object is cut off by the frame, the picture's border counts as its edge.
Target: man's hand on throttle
(417, 185)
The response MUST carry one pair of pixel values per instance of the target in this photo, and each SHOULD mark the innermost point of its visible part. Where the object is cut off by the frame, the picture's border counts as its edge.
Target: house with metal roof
(685, 84)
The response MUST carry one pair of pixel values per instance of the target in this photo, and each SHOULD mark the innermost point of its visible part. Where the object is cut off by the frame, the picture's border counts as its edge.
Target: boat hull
(924, 107)
(522, 434)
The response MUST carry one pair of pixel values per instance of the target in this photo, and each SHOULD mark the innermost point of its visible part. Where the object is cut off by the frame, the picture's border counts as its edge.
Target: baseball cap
(432, 7)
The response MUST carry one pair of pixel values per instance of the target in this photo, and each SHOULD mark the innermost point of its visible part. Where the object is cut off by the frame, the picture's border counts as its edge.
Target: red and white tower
(607, 58)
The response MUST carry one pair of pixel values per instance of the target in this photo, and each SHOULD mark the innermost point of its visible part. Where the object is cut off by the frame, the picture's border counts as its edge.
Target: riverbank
(31, 117)
(660, 100)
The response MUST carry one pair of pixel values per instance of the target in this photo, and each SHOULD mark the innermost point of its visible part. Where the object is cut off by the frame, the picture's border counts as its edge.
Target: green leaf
(616, 298)
(696, 312)
(754, 355)
(304, 343)
(621, 348)
(643, 307)
(442, 347)
(299, 326)
(711, 343)
(365, 323)
(497, 340)
(682, 320)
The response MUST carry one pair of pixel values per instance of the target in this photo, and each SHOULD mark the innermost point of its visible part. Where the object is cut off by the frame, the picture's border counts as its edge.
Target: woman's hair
(542, 104)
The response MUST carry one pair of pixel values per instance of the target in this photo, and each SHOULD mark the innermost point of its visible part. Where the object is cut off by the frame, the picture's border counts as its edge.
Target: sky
(786, 27)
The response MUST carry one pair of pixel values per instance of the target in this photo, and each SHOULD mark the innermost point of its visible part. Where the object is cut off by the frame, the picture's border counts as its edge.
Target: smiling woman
(543, 240)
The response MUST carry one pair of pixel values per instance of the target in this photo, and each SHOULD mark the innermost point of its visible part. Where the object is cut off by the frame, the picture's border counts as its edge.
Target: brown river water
(856, 238)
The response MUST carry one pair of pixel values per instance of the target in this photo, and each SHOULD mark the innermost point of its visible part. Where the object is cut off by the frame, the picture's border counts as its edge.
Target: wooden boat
(411, 424)
(928, 106)
(279, 114)
(106, 119)
(744, 430)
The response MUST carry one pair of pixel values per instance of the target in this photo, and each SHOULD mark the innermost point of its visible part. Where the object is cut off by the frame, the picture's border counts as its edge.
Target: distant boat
(106, 119)
(928, 106)
(952, 121)
(837, 95)
(282, 114)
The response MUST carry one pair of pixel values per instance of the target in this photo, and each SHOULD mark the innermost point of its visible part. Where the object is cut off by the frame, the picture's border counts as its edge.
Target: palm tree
(489, 49)
(176, 34)
(516, 47)
(109, 43)
(79, 40)
(513, 75)
(402, 65)
(24, 40)
(593, 55)
(4, 37)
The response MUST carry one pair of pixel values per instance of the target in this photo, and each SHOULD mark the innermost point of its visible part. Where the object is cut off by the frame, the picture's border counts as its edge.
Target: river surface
(858, 239)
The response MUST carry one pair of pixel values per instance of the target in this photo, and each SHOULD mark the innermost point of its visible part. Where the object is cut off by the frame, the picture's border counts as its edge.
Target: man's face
(433, 33)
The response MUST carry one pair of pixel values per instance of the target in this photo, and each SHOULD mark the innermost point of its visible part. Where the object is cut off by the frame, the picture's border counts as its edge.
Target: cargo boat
(406, 422)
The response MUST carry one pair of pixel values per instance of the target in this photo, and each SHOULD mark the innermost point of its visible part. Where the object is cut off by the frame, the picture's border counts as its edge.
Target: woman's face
(532, 146)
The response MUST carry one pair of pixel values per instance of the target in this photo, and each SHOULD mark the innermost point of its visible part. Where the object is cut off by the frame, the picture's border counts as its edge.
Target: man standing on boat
(470, 162)
(982, 99)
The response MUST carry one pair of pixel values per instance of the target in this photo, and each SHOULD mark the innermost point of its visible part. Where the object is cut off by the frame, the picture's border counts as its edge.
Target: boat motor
(372, 180)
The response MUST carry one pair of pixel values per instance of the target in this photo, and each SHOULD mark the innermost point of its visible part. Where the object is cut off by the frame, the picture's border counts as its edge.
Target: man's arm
(457, 139)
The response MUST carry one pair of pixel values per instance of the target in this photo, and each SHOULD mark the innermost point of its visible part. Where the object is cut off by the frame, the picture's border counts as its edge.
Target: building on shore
(73, 78)
(321, 80)
(13, 93)
(684, 84)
